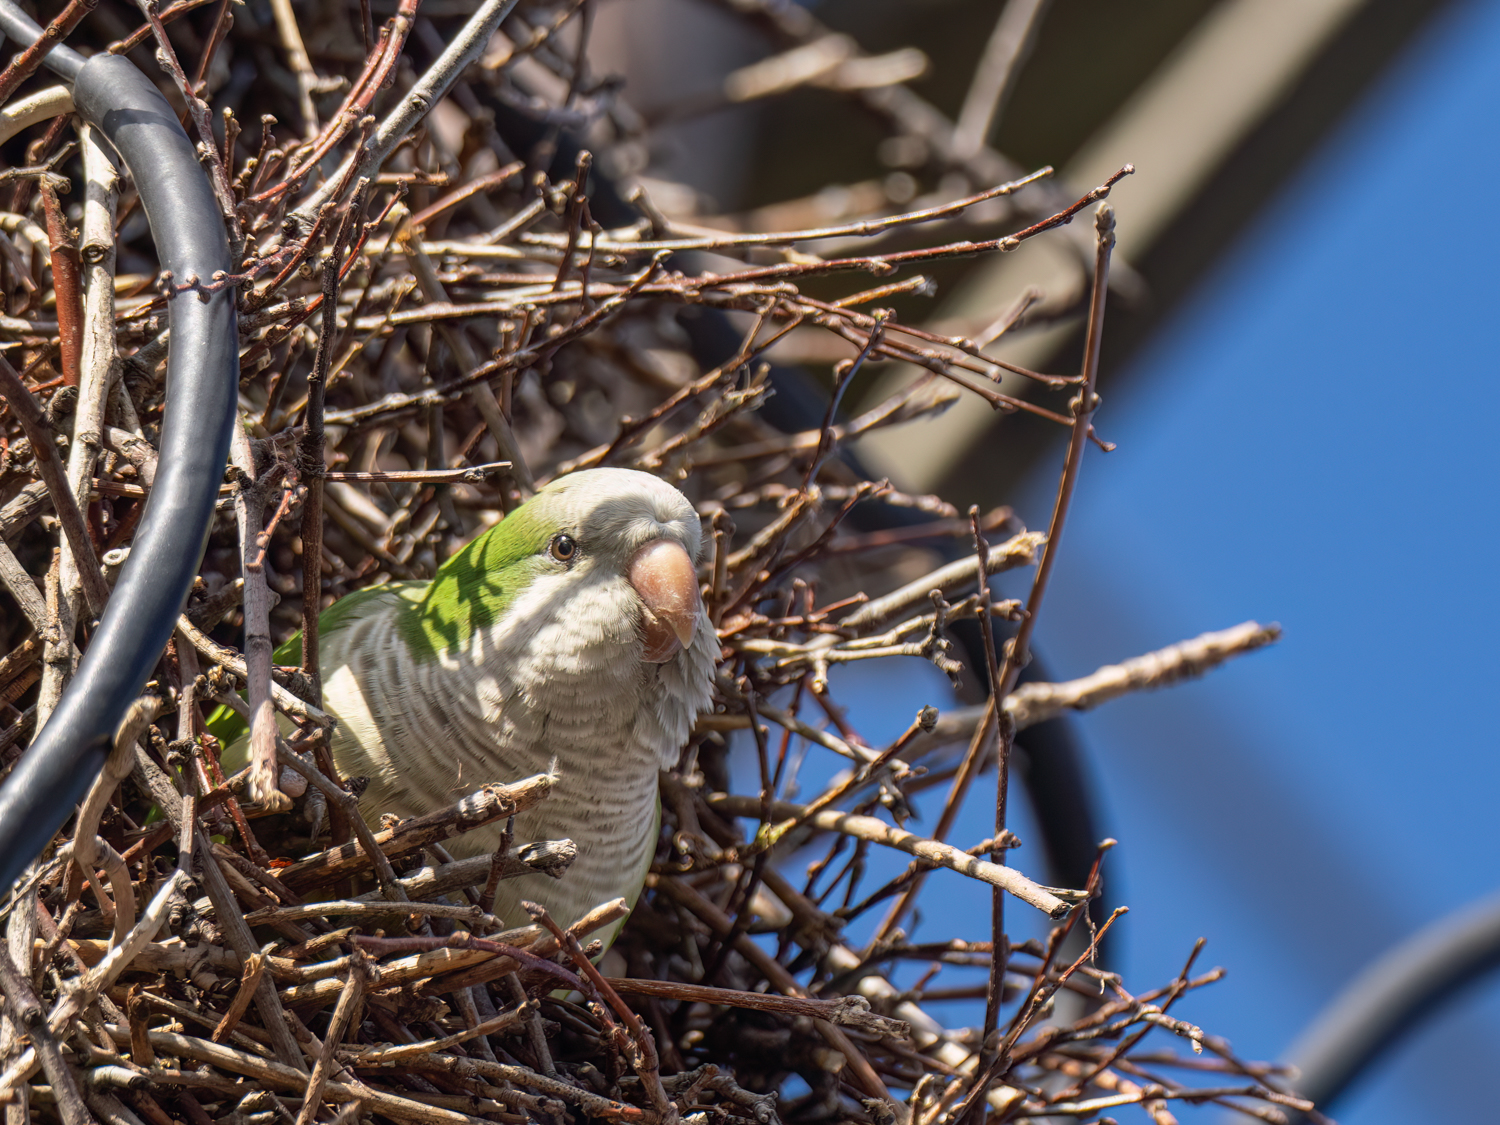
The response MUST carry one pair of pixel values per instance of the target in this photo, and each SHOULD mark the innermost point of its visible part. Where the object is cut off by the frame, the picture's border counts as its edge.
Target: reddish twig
(24, 64)
(62, 246)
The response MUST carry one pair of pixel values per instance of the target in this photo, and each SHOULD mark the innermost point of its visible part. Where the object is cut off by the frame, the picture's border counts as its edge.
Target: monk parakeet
(572, 633)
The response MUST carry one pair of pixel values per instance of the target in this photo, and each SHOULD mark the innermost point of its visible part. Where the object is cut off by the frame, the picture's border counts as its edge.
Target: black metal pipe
(202, 387)
(1388, 1001)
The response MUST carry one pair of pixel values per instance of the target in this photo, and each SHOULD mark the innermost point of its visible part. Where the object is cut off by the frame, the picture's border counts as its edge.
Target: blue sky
(1309, 441)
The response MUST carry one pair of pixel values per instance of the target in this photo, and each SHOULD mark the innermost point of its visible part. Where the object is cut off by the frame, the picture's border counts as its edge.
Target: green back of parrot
(470, 591)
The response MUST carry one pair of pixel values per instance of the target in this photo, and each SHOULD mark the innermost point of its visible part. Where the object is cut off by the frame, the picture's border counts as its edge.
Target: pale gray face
(612, 513)
(624, 547)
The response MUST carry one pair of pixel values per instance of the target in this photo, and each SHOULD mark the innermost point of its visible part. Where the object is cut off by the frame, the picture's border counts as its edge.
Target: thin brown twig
(1017, 652)
(44, 453)
(66, 265)
(24, 64)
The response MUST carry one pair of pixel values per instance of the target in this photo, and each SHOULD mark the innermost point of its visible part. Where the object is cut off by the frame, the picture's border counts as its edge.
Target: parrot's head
(617, 536)
(587, 592)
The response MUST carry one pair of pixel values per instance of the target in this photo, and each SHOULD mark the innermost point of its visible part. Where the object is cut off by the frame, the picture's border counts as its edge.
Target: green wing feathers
(472, 590)
(228, 726)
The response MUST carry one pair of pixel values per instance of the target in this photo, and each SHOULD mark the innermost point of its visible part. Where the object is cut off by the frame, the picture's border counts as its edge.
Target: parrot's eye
(563, 548)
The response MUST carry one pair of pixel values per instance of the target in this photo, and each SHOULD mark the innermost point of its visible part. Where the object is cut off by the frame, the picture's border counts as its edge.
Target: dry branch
(435, 314)
(878, 832)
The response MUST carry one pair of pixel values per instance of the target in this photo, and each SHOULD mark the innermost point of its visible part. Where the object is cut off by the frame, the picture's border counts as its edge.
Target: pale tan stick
(879, 832)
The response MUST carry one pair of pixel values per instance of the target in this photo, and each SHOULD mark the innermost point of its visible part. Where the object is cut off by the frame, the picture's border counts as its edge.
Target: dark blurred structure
(1216, 104)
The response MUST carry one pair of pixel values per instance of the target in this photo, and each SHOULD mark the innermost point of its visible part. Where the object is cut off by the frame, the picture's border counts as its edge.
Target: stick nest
(429, 329)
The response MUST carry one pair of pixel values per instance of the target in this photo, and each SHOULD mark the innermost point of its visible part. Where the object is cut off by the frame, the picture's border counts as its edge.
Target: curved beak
(667, 583)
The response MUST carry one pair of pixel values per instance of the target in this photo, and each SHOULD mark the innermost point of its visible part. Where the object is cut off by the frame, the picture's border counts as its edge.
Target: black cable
(202, 388)
(61, 60)
(1387, 1001)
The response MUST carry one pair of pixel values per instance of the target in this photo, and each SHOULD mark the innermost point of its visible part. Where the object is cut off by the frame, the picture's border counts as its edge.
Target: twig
(294, 1081)
(296, 53)
(482, 398)
(65, 282)
(1017, 653)
(310, 447)
(843, 375)
(231, 918)
(474, 474)
(484, 183)
(24, 64)
(931, 851)
(250, 975)
(198, 110)
(87, 845)
(249, 505)
(1018, 551)
(26, 1009)
(294, 706)
(594, 1105)
(888, 263)
(847, 1011)
(865, 228)
(343, 1014)
(18, 582)
(39, 432)
(464, 48)
(1037, 702)
(503, 1023)
(40, 106)
(999, 66)
(100, 977)
(1034, 703)
(487, 805)
(86, 328)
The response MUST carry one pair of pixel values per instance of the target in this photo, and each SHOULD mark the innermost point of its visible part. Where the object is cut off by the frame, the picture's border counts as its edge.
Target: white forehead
(625, 506)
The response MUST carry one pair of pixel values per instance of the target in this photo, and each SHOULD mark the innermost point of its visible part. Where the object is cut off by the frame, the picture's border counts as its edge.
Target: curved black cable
(61, 60)
(202, 387)
(1386, 1002)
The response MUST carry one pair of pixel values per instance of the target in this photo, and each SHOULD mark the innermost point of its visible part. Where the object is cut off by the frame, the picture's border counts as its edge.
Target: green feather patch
(227, 725)
(473, 589)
